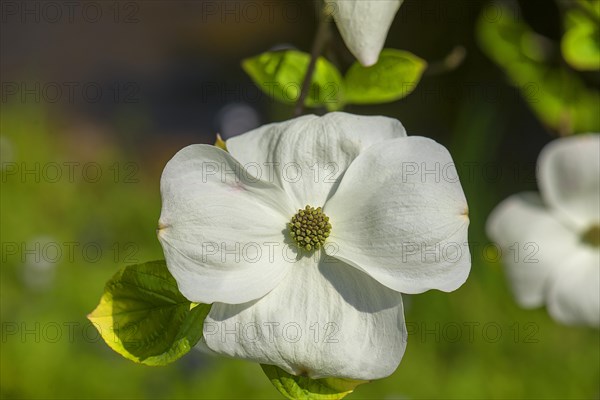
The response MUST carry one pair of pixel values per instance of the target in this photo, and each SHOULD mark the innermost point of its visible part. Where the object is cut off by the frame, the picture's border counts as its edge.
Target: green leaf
(280, 74)
(395, 75)
(580, 44)
(591, 6)
(557, 95)
(143, 316)
(303, 388)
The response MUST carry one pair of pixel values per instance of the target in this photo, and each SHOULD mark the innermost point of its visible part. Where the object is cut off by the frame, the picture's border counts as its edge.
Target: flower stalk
(321, 38)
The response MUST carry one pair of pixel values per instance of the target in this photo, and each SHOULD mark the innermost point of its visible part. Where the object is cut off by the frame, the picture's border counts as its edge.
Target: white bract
(389, 217)
(364, 25)
(550, 242)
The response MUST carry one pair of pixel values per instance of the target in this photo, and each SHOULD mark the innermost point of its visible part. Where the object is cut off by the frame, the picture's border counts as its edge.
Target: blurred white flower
(551, 242)
(364, 25)
(236, 118)
(303, 235)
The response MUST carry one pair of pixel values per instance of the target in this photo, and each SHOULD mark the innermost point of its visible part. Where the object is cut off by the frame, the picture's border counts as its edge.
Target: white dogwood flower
(551, 242)
(303, 235)
(364, 25)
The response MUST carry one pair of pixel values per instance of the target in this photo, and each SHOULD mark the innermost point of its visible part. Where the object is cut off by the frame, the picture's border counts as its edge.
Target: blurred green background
(80, 182)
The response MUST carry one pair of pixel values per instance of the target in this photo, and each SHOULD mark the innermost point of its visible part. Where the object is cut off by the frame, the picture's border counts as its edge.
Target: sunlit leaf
(143, 316)
(580, 44)
(592, 7)
(395, 75)
(303, 388)
(557, 95)
(280, 75)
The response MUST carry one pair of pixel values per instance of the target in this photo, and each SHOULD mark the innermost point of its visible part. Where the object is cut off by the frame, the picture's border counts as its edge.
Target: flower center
(592, 236)
(310, 228)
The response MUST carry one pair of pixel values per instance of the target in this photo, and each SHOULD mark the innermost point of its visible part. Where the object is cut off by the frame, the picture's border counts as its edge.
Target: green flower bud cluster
(310, 228)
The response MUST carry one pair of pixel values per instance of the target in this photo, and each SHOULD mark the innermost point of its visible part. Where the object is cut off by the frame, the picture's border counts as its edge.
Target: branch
(322, 37)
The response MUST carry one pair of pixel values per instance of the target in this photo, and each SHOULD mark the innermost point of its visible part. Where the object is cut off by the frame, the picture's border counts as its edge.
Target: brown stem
(452, 61)
(321, 38)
